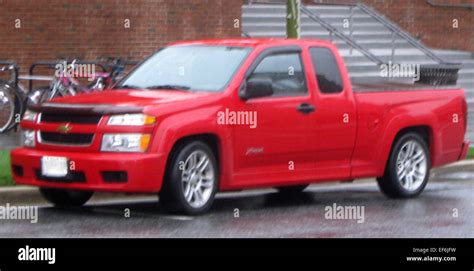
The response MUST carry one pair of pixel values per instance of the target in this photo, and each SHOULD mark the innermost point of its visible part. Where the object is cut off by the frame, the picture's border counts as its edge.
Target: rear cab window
(328, 74)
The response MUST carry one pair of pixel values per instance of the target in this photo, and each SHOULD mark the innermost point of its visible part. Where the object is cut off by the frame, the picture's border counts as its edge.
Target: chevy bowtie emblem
(64, 128)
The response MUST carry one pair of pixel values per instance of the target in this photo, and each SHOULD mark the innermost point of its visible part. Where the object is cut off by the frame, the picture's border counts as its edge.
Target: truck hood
(116, 101)
(130, 97)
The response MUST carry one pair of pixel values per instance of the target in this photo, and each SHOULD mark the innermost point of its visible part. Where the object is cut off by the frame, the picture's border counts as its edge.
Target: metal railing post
(392, 57)
(351, 28)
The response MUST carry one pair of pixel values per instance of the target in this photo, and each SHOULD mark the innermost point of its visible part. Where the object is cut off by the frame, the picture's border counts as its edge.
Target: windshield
(196, 67)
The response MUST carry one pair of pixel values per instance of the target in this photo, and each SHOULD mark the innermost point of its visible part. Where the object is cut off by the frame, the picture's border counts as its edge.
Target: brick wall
(432, 24)
(90, 28)
(86, 29)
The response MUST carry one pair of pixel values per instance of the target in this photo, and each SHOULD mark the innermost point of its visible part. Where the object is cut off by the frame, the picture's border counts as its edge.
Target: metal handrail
(339, 34)
(332, 30)
(397, 31)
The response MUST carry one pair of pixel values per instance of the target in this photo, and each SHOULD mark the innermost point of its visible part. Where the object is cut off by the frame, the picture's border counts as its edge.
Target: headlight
(28, 138)
(131, 120)
(30, 115)
(125, 142)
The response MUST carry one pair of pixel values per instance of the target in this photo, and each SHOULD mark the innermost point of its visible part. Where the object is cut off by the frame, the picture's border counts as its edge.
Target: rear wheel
(408, 168)
(66, 198)
(191, 179)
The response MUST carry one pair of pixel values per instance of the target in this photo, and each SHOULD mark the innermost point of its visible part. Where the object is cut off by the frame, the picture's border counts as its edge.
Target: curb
(18, 189)
(460, 163)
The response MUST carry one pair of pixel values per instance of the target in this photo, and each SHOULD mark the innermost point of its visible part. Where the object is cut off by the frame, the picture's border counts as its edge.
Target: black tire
(390, 183)
(294, 189)
(172, 195)
(66, 198)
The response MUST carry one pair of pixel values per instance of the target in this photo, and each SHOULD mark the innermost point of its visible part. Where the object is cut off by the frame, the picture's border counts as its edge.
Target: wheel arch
(424, 130)
(210, 139)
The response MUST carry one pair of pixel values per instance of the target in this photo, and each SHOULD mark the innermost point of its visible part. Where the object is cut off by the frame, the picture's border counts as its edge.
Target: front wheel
(408, 168)
(66, 198)
(191, 179)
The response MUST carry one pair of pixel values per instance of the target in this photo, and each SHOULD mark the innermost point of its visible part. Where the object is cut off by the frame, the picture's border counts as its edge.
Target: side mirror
(256, 88)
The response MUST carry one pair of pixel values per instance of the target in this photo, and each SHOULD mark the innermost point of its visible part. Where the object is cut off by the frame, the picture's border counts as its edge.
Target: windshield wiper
(128, 87)
(173, 87)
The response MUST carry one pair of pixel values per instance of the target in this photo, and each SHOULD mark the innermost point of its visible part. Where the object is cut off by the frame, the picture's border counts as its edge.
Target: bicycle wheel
(9, 105)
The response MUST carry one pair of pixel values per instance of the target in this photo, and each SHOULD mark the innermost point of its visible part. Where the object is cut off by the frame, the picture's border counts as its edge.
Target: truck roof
(254, 42)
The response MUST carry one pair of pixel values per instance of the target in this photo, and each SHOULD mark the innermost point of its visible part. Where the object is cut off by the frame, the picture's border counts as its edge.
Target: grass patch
(5, 173)
(470, 153)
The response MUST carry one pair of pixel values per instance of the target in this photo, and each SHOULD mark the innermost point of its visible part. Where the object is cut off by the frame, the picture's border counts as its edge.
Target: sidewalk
(9, 140)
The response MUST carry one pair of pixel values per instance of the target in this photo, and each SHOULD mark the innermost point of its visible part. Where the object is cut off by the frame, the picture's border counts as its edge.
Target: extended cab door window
(335, 124)
(285, 72)
(327, 71)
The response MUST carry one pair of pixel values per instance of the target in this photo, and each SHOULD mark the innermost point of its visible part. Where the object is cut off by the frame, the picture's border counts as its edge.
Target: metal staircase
(376, 39)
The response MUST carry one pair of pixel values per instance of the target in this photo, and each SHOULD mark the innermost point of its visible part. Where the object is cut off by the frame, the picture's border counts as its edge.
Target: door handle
(306, 108)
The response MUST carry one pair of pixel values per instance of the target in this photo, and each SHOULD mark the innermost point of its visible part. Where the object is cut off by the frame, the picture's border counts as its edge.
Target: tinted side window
(327, 70)
(286, 73)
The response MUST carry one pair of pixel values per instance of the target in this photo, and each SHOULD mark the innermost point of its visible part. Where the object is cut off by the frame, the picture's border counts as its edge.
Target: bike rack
(52, 65)
(105, 67)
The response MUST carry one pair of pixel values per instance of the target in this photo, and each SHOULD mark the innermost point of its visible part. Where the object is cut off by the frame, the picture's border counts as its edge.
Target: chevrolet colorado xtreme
(200, 117)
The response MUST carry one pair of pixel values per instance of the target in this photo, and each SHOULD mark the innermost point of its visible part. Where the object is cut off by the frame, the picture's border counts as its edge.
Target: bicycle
(11, 97)
(66, 85)
(15, 97)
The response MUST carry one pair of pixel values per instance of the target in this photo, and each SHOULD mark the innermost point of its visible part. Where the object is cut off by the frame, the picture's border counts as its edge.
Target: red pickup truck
(200, 117)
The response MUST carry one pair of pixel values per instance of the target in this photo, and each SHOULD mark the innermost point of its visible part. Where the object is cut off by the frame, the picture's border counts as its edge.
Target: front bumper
(143, 172)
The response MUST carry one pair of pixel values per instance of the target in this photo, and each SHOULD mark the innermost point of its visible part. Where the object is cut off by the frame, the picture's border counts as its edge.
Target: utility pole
(293, 19)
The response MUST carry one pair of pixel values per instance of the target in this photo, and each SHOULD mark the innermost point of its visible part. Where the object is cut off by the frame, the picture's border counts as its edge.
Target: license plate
(54, 166)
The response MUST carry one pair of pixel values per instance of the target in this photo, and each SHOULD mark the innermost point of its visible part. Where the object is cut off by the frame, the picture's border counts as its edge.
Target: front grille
(66, 139)
(70, 118)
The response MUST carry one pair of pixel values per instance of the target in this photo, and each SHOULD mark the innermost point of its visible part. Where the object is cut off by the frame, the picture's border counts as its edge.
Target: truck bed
(379, 86)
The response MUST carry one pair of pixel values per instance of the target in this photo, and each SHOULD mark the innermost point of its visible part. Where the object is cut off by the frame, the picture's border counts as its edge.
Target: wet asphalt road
(265, 213)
